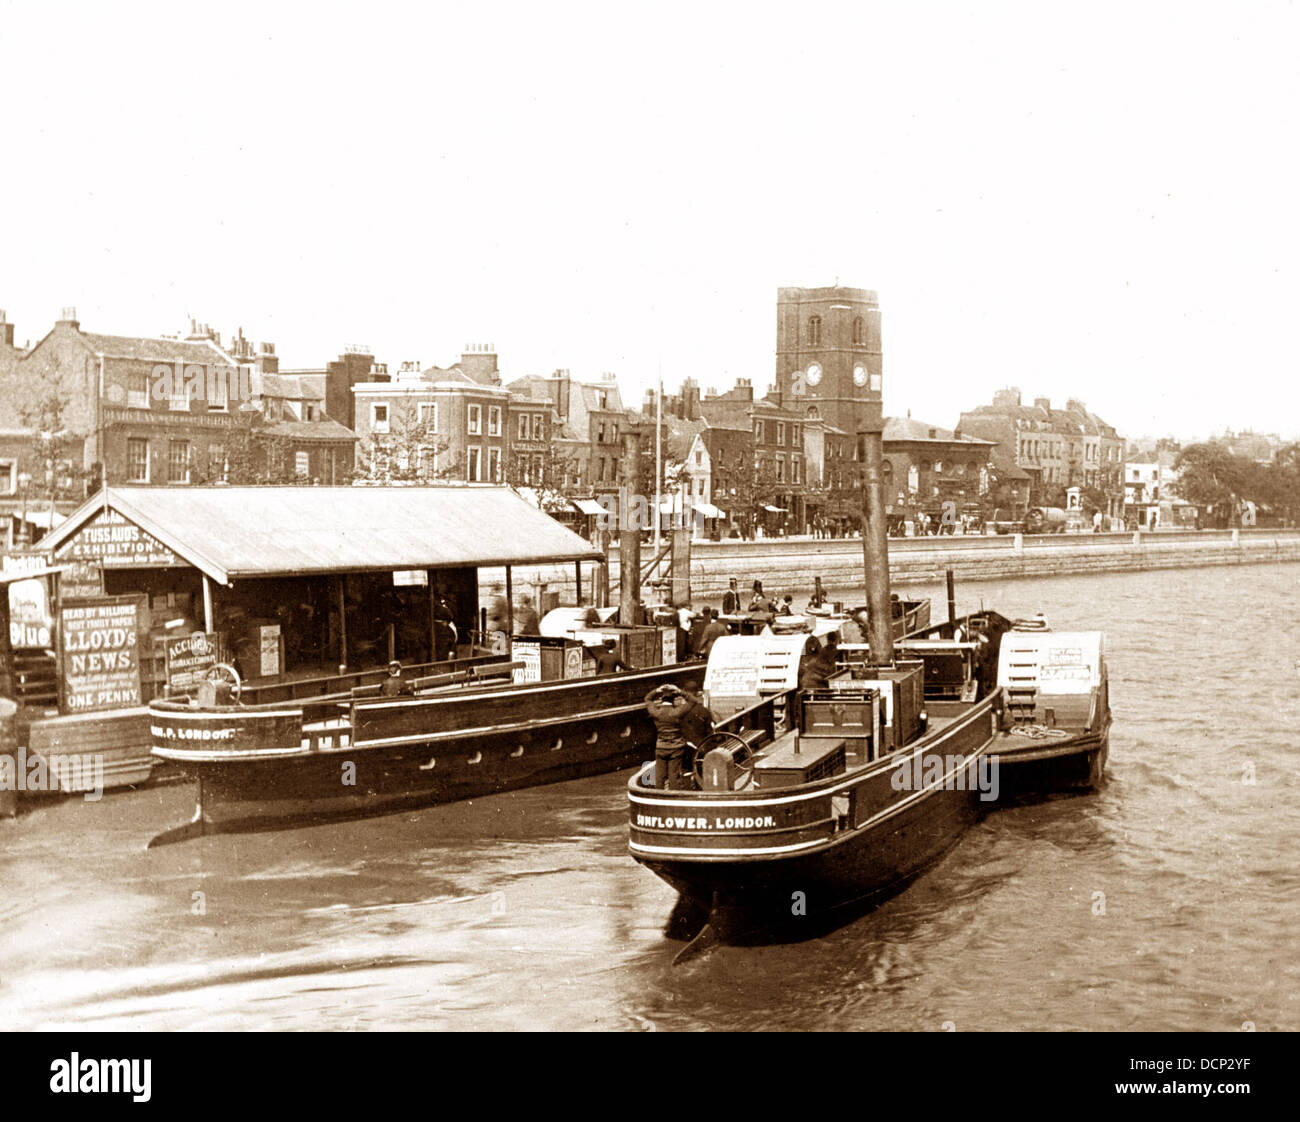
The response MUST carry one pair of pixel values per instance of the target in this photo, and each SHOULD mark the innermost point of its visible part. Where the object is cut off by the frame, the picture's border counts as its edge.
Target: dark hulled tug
(814, 798)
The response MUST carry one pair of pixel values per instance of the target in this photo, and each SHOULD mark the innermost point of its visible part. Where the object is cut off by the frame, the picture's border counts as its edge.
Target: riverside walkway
(838, 561)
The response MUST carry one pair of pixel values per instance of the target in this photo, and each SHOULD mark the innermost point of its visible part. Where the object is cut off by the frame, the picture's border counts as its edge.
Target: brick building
(926, 466)
(1057, 448)
(829, 355)
(439, 423)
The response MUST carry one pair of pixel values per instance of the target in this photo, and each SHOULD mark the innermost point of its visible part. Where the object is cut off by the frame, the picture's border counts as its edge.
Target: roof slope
(240, 532)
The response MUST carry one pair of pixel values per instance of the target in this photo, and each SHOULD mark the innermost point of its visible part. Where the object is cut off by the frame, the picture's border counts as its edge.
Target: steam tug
(813, 799)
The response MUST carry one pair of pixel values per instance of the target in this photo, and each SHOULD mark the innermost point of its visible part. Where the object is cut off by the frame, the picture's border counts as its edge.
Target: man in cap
(393, 685)
(670, 707)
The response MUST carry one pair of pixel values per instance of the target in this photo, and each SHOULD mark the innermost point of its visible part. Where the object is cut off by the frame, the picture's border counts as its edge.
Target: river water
(1168, 900)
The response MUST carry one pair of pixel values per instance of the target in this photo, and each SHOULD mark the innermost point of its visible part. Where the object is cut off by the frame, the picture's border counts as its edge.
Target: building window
(179, 399)
(538, 431)
(217, 468)
(815, 331)
(494, 420)
(379, 417)
(780, 433)
(699, 458)
(796, 469)
(429, 415)
(522, 428)
(8, 477)
(178, 461)
(474, 461)
(794, 436)
(137, 390)
(780, 469)
(137, 460)
(758, 431)
(859, 331)
(476, 420)
(494, 465)
(301, 465)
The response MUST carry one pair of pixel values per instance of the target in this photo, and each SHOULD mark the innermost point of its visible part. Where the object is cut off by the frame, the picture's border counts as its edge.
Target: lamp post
(24, 535)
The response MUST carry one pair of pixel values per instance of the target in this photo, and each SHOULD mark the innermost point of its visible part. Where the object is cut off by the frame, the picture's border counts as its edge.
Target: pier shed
(306, 591)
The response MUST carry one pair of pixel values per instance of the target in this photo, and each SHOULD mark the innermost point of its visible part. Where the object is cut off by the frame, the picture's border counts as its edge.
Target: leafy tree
(409, 451)
(1214, 479)
(55, 450)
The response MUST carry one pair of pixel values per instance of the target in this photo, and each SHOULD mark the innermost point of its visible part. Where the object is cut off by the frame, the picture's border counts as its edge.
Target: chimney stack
(479, 362)
(6, 330)
(69, 316)
(1043, 403)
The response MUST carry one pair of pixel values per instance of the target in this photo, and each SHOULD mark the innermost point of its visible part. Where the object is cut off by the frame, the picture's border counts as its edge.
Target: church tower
(828, 355)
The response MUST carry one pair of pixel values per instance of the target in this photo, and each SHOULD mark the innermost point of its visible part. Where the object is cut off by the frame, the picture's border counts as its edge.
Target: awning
(776, 509)
(709, 510)
(239, 532)
(588, 506)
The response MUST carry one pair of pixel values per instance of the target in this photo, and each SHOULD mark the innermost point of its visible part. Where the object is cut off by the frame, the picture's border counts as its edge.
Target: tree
(1215, 480)
(56, 451)
(411, 450)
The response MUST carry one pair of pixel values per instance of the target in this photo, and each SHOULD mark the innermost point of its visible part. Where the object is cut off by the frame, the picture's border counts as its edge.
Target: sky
(1094, 201)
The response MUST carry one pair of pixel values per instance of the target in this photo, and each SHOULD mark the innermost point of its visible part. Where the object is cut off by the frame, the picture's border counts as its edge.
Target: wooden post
(510, 604)
(602, 572)
(207, 605)
(343, 624)
(433, 618)
(577, 582)
(875, 548)
(952, 600)
(629, 534)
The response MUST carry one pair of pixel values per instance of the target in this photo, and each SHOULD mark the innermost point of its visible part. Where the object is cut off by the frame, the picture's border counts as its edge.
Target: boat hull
(1073, 763)
(265, 769)
(798, 858)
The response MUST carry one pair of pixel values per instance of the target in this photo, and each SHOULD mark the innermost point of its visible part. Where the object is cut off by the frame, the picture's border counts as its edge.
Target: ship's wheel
(744, 756)
(224, 672)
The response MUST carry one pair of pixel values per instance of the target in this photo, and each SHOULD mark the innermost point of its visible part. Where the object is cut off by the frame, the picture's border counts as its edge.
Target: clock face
(859, 375)
(814, 373)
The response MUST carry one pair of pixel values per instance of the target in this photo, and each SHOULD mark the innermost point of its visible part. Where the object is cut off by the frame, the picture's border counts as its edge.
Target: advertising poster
(100, 656)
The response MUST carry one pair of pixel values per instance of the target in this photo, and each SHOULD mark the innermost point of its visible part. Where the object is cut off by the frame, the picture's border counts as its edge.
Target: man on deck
(607, 660)
(669, 707)
(731, 599)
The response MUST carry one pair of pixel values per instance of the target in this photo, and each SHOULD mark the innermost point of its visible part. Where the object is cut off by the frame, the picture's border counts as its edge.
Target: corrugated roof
(239, 532)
